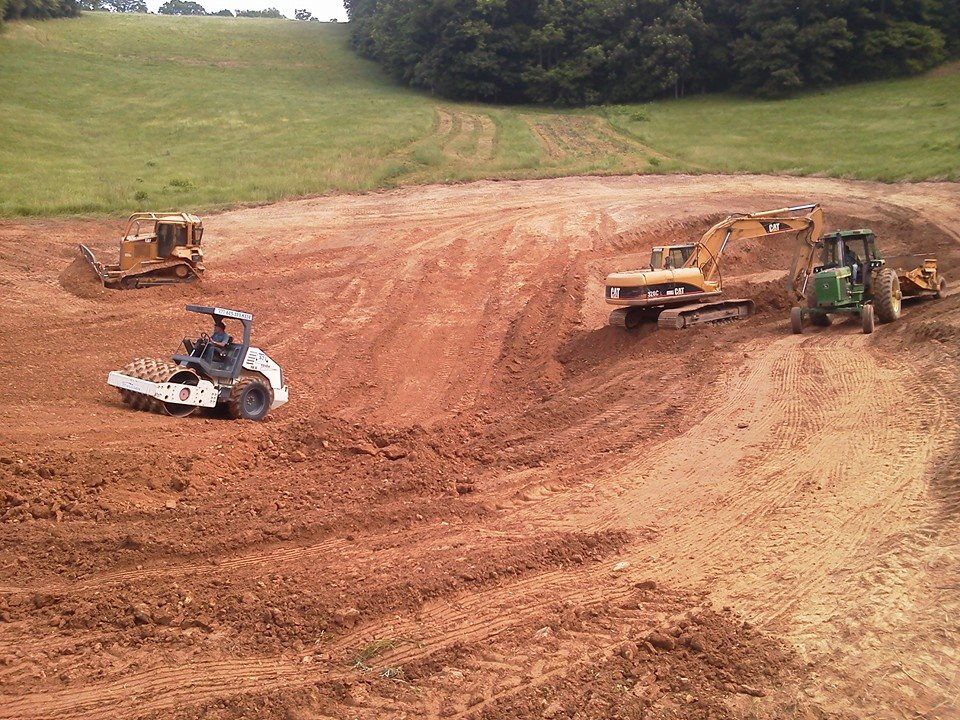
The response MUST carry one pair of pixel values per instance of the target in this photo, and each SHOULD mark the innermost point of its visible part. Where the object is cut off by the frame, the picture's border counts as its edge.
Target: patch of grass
(372, 649)
(105, 113)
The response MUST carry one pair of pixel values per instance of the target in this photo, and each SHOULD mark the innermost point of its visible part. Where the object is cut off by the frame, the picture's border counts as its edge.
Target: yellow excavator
(156, 249)
(684, 283)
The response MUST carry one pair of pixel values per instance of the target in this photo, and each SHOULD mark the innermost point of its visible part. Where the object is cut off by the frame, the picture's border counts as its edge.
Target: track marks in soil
(563, 136)
(465, 135)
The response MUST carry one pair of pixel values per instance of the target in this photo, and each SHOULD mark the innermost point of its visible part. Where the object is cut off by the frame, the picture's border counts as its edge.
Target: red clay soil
(481, 501)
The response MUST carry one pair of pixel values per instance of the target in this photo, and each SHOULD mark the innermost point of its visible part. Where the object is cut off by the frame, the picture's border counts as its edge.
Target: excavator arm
(806, 221)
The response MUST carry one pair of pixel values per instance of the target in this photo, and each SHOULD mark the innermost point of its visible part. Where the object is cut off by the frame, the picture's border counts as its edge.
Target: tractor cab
(219, 355)
(844, 276)
(671, 256)
(852, 249)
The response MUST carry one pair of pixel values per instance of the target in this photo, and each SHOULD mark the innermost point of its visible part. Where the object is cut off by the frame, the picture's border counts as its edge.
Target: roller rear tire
(250, 399)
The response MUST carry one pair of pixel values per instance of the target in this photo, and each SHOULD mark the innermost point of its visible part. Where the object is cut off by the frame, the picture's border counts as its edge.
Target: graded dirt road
(481, 501)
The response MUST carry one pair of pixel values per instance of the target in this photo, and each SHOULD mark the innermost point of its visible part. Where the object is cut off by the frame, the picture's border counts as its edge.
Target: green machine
(844, 273)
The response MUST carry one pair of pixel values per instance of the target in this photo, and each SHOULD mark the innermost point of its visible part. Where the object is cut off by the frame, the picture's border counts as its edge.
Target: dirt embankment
(481, 501)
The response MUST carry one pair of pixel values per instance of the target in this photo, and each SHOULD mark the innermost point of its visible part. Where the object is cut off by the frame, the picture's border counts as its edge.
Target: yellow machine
(166, 251)
(923, 281)
(683, 285)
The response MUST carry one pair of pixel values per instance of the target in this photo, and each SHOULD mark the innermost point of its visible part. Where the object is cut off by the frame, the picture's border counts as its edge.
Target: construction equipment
(168, 253)
(212, 371)
(850, 276)
(683, 285)
(923, 281)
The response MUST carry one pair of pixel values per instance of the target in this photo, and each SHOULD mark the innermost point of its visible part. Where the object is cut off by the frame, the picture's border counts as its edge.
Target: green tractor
(850, 277)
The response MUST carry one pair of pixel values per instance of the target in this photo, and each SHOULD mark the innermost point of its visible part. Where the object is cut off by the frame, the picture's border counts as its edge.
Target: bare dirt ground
(480, 501)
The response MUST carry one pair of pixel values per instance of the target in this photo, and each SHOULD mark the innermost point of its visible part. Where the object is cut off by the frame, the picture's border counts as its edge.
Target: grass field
(106, 113)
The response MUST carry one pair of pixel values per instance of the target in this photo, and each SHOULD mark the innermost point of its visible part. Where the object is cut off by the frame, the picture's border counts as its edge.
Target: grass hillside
(108, 113)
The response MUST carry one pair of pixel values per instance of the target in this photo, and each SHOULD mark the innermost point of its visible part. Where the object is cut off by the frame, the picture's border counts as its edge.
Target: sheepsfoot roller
(214, 370)
(683, 285)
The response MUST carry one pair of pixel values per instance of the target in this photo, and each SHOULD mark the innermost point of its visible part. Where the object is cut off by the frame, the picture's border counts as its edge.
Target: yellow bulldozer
(156, 249)
(683, 284)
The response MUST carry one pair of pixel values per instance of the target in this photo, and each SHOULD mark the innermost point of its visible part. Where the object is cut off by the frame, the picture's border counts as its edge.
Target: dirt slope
(481, 501)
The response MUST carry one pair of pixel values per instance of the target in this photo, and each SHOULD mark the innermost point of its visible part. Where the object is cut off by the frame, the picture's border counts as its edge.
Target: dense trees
(40, 9)
(591, 51)
(181, 7)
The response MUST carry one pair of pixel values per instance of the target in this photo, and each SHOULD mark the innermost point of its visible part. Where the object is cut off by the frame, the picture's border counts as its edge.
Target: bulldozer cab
(176, 234)
(169, 231)
(218, 355)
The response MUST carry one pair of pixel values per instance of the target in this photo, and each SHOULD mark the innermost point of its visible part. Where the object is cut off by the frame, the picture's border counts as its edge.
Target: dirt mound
(704, 665)
(80, 280)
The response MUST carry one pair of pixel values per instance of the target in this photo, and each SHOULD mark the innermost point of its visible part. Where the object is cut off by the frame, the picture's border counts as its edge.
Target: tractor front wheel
(250, 399)
(796, 320)
(887, 296)
(866, 318)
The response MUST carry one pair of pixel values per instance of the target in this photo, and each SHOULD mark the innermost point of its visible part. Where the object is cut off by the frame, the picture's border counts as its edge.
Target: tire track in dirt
(562, 136)
(465, 135)
(495, 611)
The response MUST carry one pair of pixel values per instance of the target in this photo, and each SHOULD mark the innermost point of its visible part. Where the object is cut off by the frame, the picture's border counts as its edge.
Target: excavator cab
(671, 256)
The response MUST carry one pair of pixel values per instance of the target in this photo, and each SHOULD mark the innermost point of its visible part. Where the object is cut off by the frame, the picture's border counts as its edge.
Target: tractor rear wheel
(250, 399)
(821, 319)
(941, 289)
(866, 318)
(887, 296)
(796, 320)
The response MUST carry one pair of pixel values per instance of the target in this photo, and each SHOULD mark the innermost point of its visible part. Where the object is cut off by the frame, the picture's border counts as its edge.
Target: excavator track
(677, 318)
(154, 370)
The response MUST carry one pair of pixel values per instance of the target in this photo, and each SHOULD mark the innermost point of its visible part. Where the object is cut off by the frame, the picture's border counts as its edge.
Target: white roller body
(258, 361)
(203, 394)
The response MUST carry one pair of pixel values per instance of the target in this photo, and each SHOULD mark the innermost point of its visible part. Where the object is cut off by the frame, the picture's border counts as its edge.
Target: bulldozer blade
(92, 261)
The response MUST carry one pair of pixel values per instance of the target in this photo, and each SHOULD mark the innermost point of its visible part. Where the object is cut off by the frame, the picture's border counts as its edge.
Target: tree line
(607, 51)
(39, 9)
